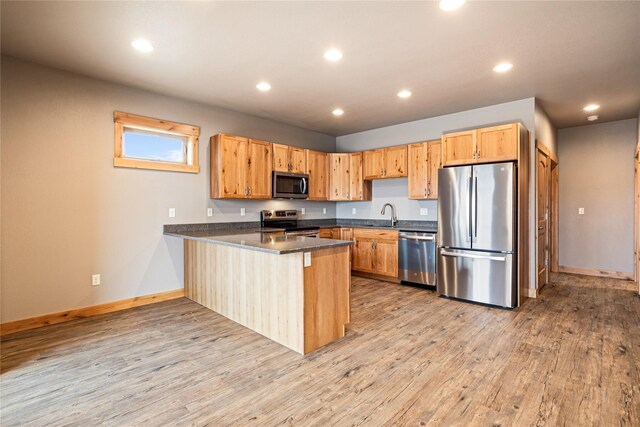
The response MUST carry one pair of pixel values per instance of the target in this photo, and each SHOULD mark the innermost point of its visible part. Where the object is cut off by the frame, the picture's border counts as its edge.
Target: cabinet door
(373, 163)
(259, 167)
(435, 163)
(459, 148)
(359, 189)
(339, 177)
(395, 162)
(497, 143)
(418, 170)
(386, 258)
(325, 233)
(228, 167)
(281, 158)
(363, 255)
(346, 233)
(318, 170)
(297, 160)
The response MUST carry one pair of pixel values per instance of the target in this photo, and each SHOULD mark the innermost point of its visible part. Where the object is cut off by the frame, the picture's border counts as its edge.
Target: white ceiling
(567, 54)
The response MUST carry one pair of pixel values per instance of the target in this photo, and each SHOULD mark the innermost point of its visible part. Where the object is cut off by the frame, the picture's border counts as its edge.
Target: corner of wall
(545, 131)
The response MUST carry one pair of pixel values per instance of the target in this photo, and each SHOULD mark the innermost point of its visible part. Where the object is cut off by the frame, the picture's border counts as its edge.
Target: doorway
(547, 174)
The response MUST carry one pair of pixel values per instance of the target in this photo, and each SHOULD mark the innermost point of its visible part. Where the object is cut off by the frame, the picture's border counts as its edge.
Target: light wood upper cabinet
(418, 170)
(297, 160)
(435, 163)
(318, 170)
(289, 159)
(240, 168)
(497, 143)
(424, 162)
(359, 189)
(339, 177)
(280, 158)
(373, 163)
(259, 169)
(459, 148)
(486, 145)
(390, 162)
(395, 161)
(376, 251)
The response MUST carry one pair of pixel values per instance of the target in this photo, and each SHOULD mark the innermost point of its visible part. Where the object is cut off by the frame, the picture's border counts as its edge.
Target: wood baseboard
(375, 276)
(596, 272)
(81, 313)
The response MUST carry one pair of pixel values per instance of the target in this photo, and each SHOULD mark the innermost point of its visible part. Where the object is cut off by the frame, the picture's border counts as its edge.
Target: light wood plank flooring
(571, 357)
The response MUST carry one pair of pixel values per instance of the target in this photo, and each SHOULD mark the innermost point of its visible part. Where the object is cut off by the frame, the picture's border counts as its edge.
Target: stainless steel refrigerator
(477, 214)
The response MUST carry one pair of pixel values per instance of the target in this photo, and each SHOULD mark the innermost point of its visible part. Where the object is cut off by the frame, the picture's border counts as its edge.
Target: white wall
(68, 213)
(596, 173)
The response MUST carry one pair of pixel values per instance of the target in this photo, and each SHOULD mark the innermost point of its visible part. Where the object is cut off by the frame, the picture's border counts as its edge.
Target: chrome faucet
(394, 218)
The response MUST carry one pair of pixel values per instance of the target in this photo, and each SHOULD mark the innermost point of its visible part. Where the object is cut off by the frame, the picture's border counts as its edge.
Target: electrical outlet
(307, 259)
(424, 211)
(172, 212)
(95, 280)
(580, 211)
(243, 212)
(209, 211)
(353, 211)
(303, 211)
(324, 211)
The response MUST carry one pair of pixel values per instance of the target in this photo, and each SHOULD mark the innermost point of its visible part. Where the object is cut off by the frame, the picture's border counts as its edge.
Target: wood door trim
(623, 275)
(81, 313)
(547, 152)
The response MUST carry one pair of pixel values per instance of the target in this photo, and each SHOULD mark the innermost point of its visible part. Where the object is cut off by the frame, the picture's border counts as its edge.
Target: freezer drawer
(483, 277)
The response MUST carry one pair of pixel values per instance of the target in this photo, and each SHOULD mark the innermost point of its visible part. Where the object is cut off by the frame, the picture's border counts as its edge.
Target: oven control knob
(267, 214)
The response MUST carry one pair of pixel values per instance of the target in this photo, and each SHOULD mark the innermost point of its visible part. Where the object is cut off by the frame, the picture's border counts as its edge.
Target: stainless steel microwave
(290, 185)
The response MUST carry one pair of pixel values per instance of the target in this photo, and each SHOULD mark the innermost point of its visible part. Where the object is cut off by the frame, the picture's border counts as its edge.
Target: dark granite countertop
(256, 239)
(402, 225)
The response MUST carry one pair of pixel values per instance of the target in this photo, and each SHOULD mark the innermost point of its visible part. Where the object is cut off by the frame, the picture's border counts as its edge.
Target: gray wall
(545, 131)
(596, 173)
(68, 213)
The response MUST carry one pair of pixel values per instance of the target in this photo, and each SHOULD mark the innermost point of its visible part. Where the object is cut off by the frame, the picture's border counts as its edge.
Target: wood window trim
(192, 133)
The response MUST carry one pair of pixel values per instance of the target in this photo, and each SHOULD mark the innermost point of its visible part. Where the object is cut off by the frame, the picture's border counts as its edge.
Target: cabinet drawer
(375, 233)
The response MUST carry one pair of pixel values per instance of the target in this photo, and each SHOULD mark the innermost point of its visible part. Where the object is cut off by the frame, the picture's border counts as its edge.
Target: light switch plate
(424, 211)
(209, 211)
(303, 211)
(307, 259)
(580, 211)
(95, 280)
(172, 212)
(353, 211)
(243, 212)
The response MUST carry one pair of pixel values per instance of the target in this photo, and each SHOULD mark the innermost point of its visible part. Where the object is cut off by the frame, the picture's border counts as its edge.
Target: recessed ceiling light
(592, 118)
(333, 55)
(451, 4)
(503, 67)
(338, 112)
(142, 45)
(263, 86)
(591, 107)
(404, 93)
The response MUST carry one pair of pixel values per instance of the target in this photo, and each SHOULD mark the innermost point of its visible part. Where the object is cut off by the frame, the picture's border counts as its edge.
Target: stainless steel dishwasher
(417, 257)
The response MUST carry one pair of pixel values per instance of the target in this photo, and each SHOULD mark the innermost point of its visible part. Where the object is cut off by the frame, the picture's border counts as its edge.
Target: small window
(146, 143)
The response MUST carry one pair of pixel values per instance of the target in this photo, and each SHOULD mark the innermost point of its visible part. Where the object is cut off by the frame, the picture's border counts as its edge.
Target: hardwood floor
(571, 357)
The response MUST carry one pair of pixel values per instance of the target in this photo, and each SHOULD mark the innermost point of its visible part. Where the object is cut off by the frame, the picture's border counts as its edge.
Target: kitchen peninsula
(291, 289)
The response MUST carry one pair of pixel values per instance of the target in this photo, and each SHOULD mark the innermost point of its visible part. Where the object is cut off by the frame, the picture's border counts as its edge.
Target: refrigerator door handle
(470, 235)
(489, 257)
(475, 207)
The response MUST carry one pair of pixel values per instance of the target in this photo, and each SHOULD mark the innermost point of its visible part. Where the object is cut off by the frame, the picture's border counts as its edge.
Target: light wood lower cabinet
(375, 251)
